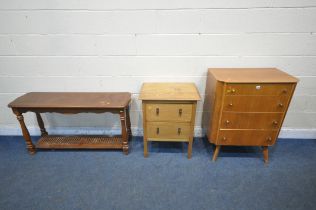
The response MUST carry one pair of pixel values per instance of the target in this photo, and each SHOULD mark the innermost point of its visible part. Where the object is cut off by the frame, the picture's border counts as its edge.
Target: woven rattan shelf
(79, 142)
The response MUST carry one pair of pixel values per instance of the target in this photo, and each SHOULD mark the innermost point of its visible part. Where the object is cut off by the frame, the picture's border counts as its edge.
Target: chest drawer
(163, 130)
(169, 112)
(255, 103)
(235, 120)
(259, 89)
(247, 137)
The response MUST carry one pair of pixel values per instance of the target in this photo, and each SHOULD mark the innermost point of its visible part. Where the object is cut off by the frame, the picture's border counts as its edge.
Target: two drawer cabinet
(169, 112)
(246, 107)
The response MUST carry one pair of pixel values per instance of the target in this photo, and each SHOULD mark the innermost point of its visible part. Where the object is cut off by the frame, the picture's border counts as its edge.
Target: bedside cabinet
(246, 107)
(169, 112)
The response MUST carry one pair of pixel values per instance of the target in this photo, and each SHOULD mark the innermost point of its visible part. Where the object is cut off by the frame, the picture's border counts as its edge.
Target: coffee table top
(96, 100)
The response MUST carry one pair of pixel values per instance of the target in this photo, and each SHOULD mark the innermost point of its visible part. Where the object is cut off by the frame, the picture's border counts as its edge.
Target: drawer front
(259, 89)
(255, 103)
(247, 137)
(169, 112)
(235, 120)
(162, 130)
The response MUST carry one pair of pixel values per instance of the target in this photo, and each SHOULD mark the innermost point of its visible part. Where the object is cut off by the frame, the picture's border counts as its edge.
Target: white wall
(116, 45)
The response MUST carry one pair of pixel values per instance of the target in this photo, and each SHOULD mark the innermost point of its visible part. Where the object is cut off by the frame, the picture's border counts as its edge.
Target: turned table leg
(128, 123)
(29, 144)
(217, 148)
(41, 124)
(124, 131)
(265, 154)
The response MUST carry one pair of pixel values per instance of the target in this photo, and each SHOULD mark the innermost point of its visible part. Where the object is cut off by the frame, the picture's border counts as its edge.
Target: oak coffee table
(73, 103)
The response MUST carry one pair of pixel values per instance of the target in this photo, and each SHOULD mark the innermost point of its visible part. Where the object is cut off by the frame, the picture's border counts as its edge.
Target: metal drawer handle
(180, 112)
(269, 139)
(157, 131)
(232, 90)
(157, 111)
(179, 131)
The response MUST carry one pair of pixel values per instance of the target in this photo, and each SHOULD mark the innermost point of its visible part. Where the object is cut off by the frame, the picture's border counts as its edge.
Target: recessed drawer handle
(180, 112)
(157, 131)
(179, 131)
(157, 111)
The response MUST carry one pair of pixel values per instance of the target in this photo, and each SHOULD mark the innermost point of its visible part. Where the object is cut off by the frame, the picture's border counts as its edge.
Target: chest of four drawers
(246, 107)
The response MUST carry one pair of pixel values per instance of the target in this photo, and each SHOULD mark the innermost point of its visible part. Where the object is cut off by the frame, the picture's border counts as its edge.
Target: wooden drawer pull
(157, 131)
(179, 131)
(180, 112)
(284, 91)
(157, 111)
(227, 122)
(230, 104)
(275, 122)
(281, 105)
(224, 138)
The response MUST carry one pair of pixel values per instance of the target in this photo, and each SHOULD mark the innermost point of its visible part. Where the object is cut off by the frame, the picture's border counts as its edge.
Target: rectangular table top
(96, 100)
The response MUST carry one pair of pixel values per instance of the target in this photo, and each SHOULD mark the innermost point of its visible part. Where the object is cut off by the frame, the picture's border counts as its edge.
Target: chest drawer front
(169, 112)
(247, 137)
(259, 89)
(234, 120)
(255, 103)
(162, 130)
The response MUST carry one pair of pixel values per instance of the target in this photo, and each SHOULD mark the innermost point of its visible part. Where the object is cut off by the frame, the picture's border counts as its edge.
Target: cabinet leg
(190, 148)
(145, 147)
(41, 124)
(217, 148)
(265, 154)
(29, 144)
(124, 131)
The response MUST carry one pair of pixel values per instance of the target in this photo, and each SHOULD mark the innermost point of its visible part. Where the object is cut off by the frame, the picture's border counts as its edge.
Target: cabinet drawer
(233, 120)
(162, 130)
(259, 89)
(255, 103)
(247, 137)
(169, 112)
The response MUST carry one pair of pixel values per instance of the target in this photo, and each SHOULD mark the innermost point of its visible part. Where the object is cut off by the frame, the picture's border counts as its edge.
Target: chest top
(251, 75)
(169, 92)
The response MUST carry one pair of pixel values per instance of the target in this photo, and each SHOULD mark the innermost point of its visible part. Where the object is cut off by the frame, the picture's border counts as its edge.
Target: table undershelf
(79, 142)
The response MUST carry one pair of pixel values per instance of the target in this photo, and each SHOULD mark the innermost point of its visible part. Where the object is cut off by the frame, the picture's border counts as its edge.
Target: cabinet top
(251, 75)
(169, 91)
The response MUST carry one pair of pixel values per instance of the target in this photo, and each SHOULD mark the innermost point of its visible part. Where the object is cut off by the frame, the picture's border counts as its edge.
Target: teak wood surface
(73, 103)
(169, 112)
(246, 106)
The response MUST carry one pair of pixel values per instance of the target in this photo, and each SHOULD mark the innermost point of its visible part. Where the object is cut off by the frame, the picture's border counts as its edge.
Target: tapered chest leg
(124, 131)
(216, 152)
(266, 154)
(29, 144)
